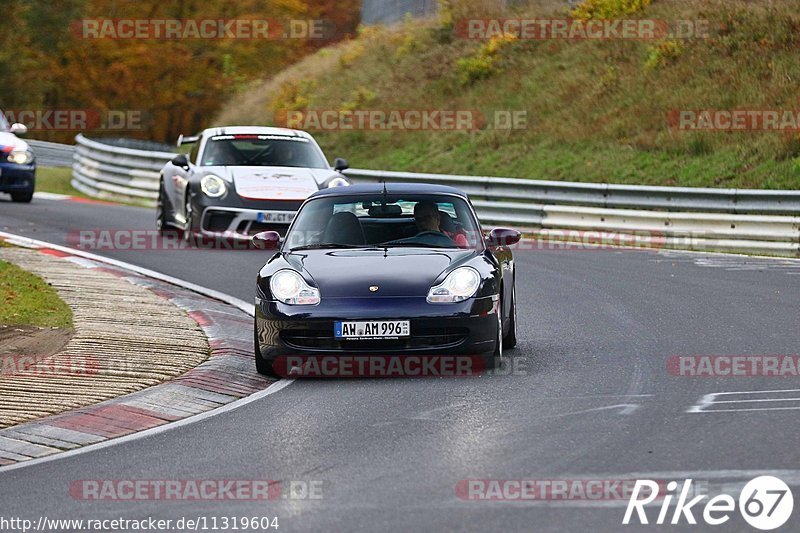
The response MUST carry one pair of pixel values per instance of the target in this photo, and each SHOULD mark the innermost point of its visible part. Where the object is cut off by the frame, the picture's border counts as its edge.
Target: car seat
(344, 228)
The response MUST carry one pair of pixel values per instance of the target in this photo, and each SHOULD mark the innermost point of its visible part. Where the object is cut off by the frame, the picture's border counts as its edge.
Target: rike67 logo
(765, 503)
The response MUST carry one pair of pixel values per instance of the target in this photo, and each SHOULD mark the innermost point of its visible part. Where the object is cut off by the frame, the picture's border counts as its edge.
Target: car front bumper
(244, 223)
(15, 177)
(465, 328)
(240, 218)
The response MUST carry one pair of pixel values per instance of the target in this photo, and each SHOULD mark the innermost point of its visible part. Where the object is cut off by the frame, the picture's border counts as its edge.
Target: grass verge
(57, 180)
(26, 299)
(595, 110)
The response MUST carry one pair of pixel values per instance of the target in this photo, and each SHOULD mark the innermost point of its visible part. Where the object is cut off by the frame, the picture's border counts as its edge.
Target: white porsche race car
(238, 181)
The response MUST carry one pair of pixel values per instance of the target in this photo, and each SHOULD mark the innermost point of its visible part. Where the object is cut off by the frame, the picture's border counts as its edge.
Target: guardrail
(733, 220)
(49, 154)
(113, 172)
(693, 199)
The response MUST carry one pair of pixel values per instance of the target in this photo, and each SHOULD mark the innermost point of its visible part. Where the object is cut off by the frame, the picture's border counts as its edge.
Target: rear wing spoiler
(187, 140)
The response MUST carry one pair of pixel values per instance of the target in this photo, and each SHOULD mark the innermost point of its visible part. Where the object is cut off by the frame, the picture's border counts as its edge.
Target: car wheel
(498, 346)
(492, 360)
(161, 213)
(22, 197)
(263, 366)
(188, 233)
(511, 337)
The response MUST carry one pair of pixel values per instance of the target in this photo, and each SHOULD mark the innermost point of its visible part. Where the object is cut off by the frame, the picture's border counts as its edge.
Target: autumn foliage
(46, 63)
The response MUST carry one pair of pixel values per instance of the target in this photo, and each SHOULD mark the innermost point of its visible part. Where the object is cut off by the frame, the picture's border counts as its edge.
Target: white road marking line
(709, 400)
(87, 263)
(755, 392)
(428, 415)
(749, 409)
(625, 409)
(272, 389)
(597, 396)
(791, 477)
(678, 254)
(51, 196)
(760, 400)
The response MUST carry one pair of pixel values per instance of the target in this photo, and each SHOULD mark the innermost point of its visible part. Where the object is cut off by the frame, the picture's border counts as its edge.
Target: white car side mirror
(19, 129)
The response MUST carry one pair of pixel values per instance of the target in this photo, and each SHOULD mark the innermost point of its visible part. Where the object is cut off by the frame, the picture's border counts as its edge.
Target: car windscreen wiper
(323, 246)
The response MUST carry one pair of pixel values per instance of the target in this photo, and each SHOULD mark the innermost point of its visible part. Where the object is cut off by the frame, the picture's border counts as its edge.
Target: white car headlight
(213, 186)
(460, 284)
(338, 182)
(20, 157)
(289, 287)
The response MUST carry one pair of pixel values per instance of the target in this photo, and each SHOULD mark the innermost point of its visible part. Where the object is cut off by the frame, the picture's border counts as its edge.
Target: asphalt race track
(592, 398)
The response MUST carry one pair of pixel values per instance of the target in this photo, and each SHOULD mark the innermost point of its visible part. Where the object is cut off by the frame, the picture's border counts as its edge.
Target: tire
(161, 213)
(491, 360)
(189, 218)
(188, 231)
(263, 367)
(23, 197)
(511, 337)
(498, 347)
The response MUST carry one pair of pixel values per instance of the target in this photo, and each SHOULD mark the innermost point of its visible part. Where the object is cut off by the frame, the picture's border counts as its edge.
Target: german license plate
(375, 329)
(276, 217)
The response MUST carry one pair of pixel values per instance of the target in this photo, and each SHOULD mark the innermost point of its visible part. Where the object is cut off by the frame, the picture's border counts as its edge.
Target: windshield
(3, 122)
(262, 150)
(429, 221)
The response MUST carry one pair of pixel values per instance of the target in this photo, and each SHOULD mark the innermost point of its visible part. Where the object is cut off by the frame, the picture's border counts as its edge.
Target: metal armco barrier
(50, 154)
(112, 172)
(693, 199)
(732, 220)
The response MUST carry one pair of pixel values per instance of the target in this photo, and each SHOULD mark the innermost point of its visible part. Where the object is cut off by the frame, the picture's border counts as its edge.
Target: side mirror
(503, 237)
(267, 240)
(181, 160)
(340, 164)
(19, 129)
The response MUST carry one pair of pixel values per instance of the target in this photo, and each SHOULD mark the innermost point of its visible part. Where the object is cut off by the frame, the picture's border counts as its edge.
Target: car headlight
(20, 157)
(289, 287)
(460, 284)
(338, 182)
(213, 186)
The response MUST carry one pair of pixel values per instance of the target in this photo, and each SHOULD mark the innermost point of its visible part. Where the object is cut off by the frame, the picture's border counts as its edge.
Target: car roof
(391, 188)
(257, 130)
